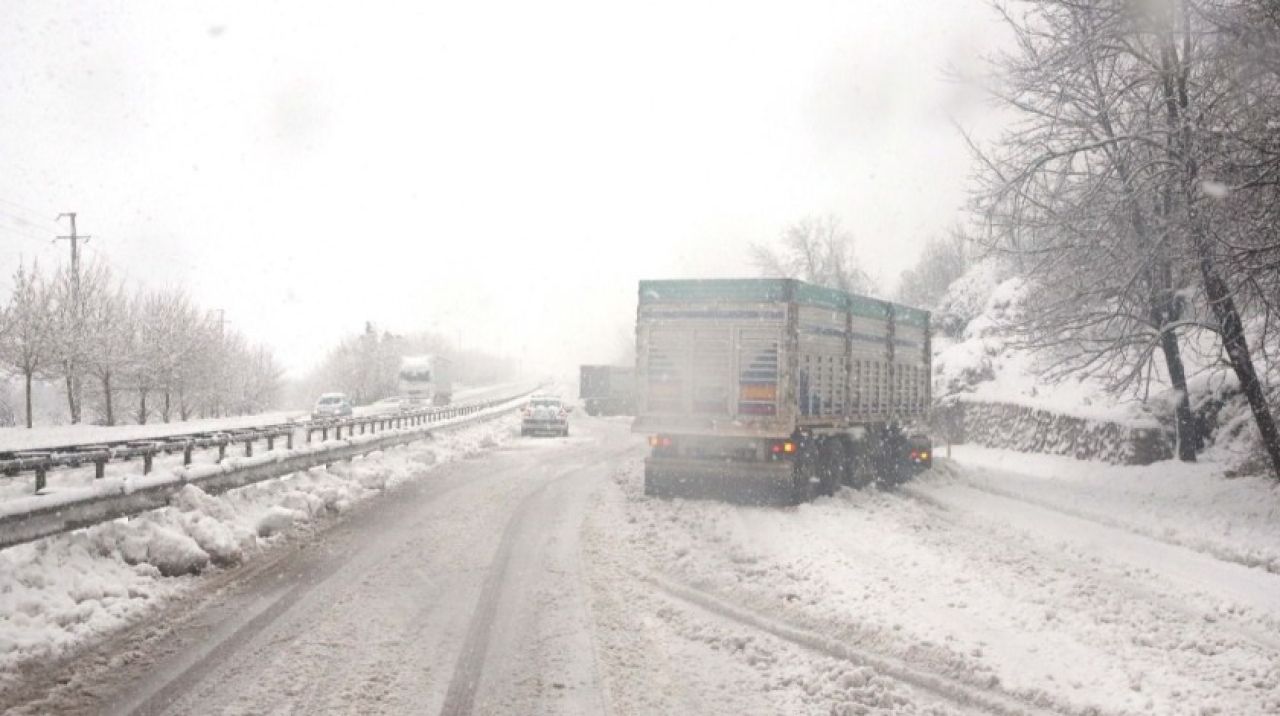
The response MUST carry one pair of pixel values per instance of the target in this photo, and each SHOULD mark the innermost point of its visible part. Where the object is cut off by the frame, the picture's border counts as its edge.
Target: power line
(21, 219)
(23, 234)
(23, 207)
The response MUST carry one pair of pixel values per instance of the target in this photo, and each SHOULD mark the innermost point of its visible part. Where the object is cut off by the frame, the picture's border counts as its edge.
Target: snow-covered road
(535, 577)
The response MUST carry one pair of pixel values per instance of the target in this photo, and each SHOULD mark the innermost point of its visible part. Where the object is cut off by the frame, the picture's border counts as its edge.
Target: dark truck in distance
(778, 387)
(607, 389)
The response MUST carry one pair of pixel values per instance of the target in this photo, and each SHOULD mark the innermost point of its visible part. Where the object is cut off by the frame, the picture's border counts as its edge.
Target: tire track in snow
(990, 700)
(312, 571)
(1258, 637)
(460, 697)
(1211, 550)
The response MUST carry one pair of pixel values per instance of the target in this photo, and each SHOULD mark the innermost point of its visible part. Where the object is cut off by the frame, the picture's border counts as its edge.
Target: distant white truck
(425, 380)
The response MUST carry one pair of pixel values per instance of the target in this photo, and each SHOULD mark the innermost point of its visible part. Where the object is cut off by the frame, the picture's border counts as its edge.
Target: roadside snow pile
(1187, 504)
(57, 592)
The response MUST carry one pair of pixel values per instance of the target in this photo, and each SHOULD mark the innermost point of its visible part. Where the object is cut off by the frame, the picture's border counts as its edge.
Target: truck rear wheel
(891, 465)
(806, 475)
(832, 467)
(860, 466)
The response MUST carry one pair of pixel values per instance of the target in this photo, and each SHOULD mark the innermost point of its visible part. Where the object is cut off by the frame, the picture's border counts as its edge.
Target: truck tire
(832, 466)
(592, 409)
(805, 475)
(892, 466)
(860, 466)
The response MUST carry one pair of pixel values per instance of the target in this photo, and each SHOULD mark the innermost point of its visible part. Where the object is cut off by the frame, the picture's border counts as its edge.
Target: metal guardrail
(37, 520)
(42, 461)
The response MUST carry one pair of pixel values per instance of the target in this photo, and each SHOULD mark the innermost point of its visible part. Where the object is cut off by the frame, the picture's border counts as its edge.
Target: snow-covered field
(57, 593)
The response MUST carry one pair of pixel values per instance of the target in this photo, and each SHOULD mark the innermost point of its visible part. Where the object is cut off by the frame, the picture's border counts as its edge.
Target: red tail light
(783, 447)
(659, 441)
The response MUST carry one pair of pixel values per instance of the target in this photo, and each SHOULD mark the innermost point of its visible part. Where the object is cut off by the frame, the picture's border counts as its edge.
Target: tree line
(366, 366)
(123, 354)
(1138, 188)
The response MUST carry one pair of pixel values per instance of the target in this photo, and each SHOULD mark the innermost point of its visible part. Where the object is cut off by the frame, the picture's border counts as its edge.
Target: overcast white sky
(500, 172)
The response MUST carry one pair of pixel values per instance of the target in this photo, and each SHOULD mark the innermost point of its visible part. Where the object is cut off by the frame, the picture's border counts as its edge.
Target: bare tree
(27, 344)
(817, 250)
(942, 261)
(1077, 193)
(74, 296)
(167, 337)
(1102, 191)
(108, 333)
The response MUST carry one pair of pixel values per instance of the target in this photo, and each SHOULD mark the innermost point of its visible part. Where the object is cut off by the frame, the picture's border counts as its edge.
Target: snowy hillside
(984, 362)
(979, 361)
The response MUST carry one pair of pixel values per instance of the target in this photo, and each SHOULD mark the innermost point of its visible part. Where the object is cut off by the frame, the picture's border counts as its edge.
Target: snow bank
(58, 592)
(1188, 504)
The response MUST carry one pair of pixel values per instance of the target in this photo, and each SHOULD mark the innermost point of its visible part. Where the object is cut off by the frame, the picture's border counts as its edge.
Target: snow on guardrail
(33, 517)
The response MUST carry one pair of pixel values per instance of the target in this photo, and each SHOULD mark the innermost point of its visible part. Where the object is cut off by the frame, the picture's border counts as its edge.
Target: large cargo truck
(777, 387)
(607, 389)
(425, 380)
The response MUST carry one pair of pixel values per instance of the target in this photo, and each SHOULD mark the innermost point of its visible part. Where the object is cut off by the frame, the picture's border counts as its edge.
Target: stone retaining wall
(1026, 429)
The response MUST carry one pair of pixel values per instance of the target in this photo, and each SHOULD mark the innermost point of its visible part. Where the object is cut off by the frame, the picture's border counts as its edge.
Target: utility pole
(75, 240)
(73, 378)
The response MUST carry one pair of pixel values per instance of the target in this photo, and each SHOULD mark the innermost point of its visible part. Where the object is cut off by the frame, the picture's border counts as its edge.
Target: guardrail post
(99, 468)
(271, 442)
(40, 479)
(288, 440)
(308, 436)
(186, 454)
(222, 451)
(337, 432)
(324, 433)
(146, 462)
(248, 447)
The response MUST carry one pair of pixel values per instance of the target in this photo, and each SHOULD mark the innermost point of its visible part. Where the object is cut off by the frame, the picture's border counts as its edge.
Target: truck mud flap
(753, 483)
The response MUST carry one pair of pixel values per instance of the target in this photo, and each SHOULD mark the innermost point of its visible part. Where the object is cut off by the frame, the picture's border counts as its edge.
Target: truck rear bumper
(752, 481)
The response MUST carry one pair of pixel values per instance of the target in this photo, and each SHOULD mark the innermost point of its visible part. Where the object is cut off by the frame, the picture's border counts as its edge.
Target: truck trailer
(607, 389)
(777, 387)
